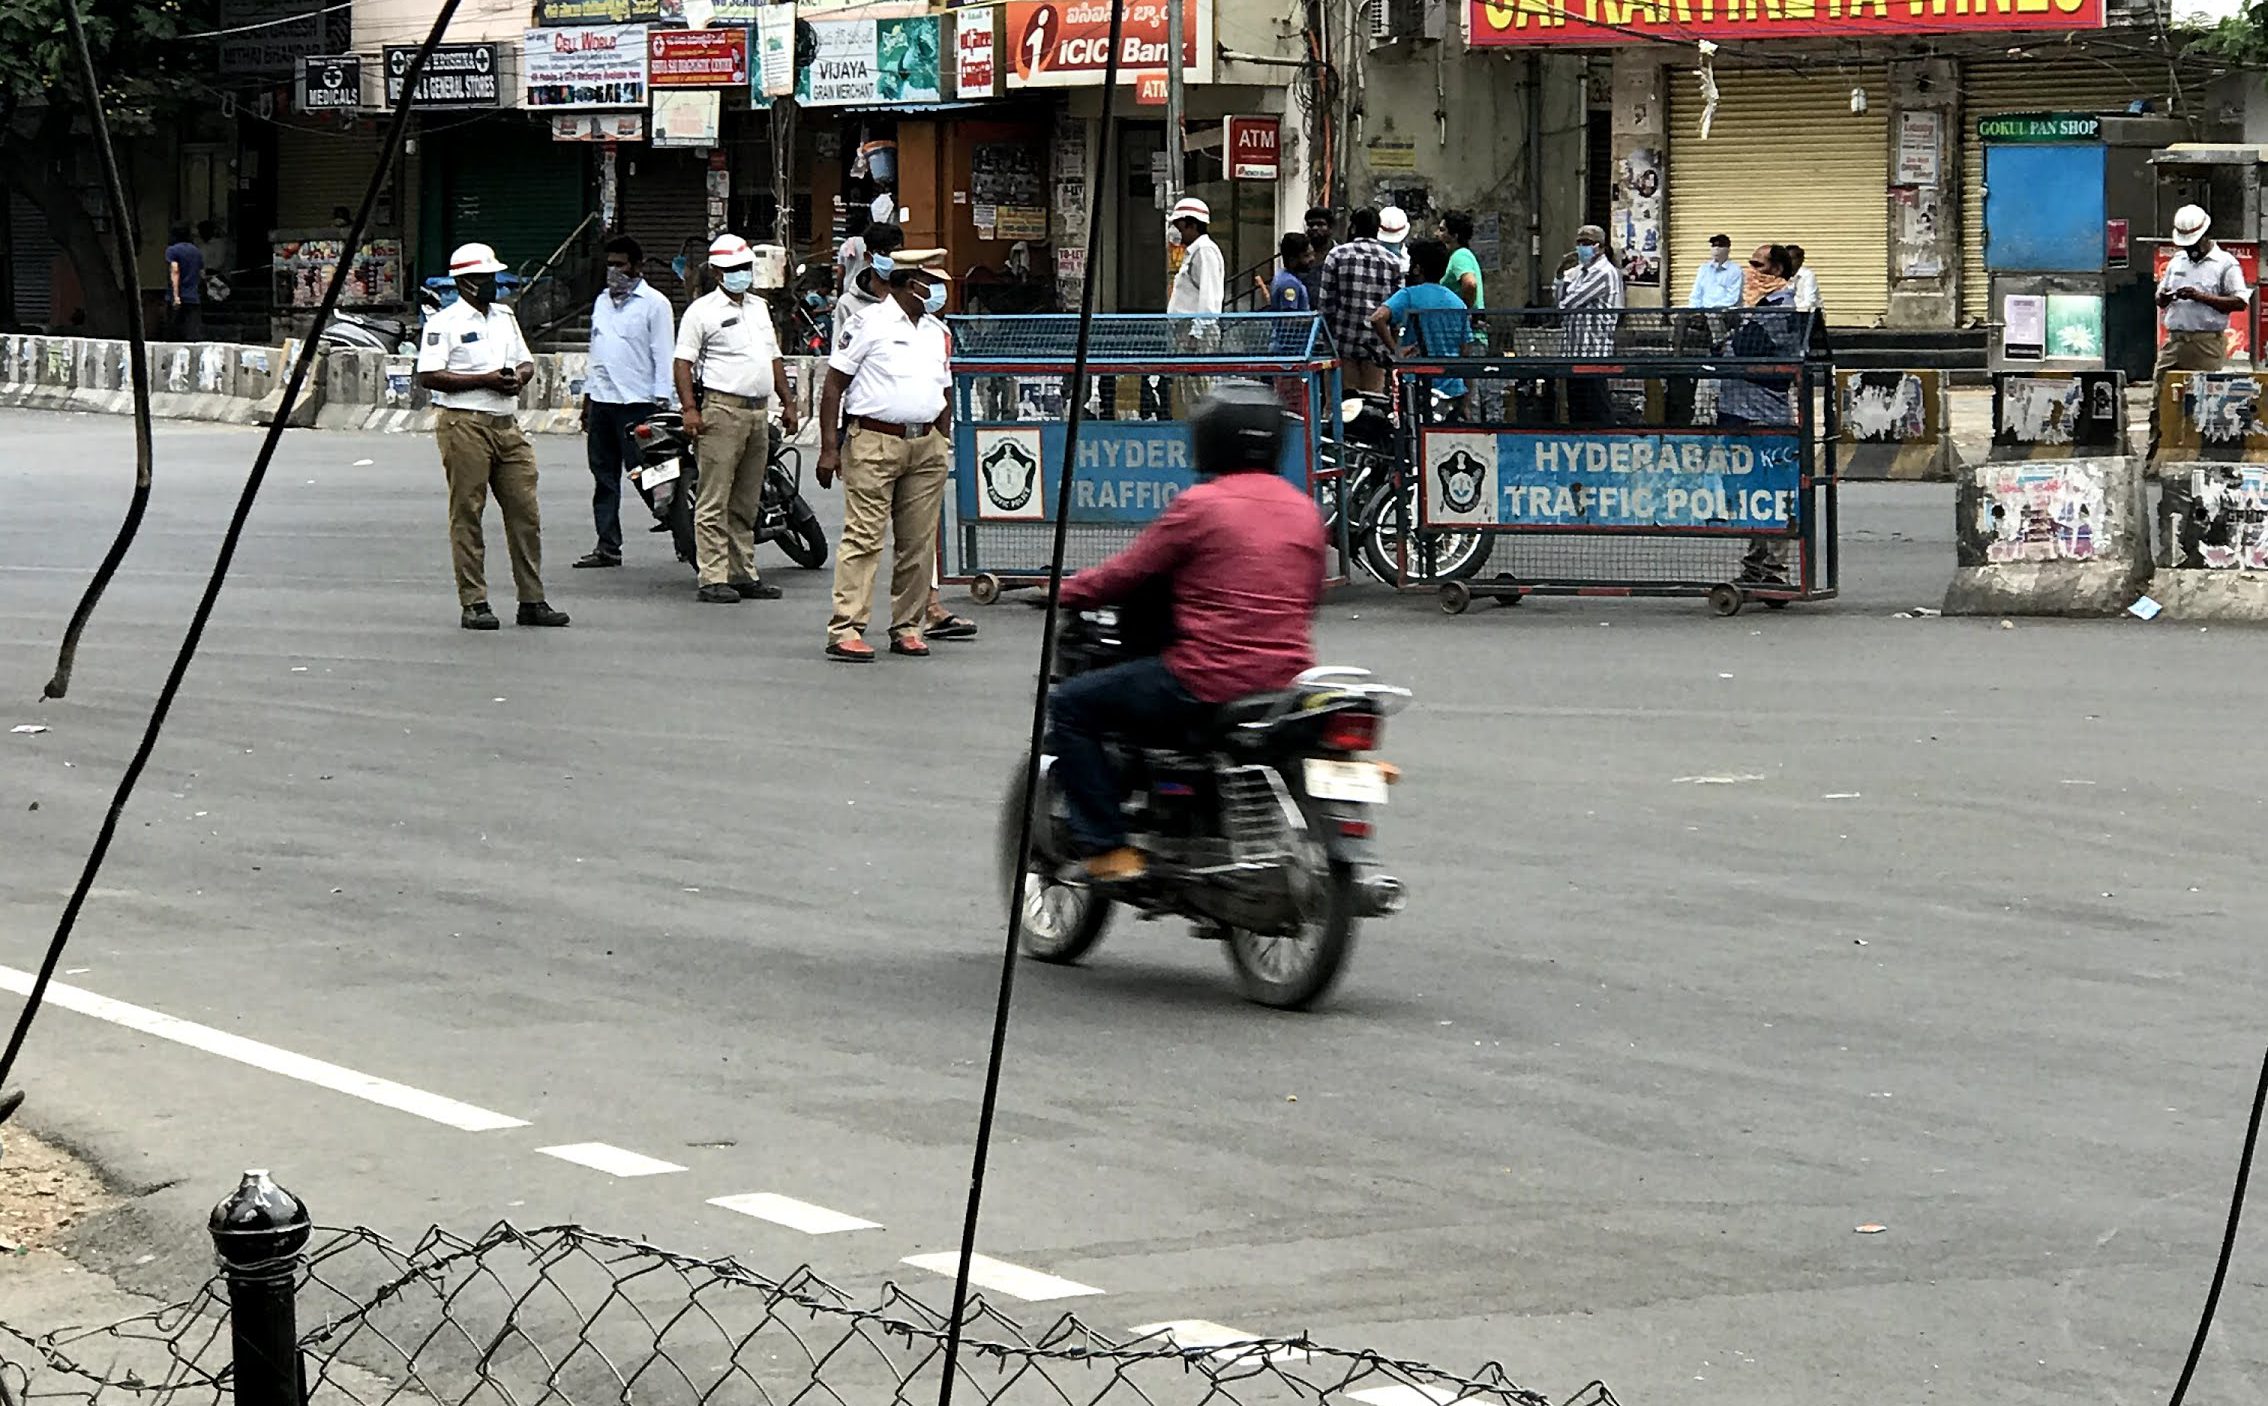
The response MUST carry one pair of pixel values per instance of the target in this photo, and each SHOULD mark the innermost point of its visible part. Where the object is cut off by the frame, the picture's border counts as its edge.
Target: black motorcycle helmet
(1239, 428)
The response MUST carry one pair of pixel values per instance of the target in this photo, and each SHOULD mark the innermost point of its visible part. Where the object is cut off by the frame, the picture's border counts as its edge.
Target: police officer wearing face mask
(727, 344)
(473, 361)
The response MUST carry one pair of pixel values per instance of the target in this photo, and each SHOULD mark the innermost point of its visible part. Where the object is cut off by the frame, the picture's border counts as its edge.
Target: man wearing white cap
(1394, 233)
(726, 343)
(472, 360)
(1199, 287)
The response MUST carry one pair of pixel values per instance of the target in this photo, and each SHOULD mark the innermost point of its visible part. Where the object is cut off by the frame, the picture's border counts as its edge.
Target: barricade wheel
(985, 589)
(1725, 599)
(1455, 597)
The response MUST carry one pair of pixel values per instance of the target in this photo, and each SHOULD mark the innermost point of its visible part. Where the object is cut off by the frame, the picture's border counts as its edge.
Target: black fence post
(258, 1233)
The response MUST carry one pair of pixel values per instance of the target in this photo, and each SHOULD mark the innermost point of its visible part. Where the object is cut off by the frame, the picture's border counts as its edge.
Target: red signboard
(2247, 256)
(1251, 143)
(1507, 23)
(1150, 90)
(1066, 43)
(698, 58)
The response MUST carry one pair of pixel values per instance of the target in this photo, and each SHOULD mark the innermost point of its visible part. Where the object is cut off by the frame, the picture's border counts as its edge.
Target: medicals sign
(1510, 23)
(1690, 481)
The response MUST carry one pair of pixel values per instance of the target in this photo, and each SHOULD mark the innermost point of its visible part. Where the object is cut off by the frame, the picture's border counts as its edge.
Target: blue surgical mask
(738, 280)
(933, 301)
(1586, 252)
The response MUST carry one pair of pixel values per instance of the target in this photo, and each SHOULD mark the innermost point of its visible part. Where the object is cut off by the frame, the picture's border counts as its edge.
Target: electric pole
(1175, 158)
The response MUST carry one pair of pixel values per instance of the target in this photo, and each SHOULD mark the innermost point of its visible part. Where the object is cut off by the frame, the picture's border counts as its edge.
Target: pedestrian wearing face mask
(473, 362)
(726, 344)
(1590, 299)
(629, 379)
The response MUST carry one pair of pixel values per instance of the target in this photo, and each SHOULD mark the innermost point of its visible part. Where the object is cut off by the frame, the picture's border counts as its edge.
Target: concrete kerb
(348, 389)
(2050, 537)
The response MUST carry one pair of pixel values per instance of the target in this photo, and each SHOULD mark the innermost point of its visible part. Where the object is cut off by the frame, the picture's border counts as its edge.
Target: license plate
(1363, 782)
(654, 476)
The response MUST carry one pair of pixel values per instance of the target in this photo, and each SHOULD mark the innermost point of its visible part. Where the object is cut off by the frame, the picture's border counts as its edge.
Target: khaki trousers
(735, 445)
(483, 453)
(899, 485)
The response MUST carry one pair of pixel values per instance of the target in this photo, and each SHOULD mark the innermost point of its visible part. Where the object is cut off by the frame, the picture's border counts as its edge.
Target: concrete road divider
(1893, 425)
(2058, 415)
(2050, 537)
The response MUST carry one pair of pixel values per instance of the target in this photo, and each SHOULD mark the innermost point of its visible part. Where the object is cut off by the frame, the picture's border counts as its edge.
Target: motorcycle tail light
(643, 431)
(1353, 732)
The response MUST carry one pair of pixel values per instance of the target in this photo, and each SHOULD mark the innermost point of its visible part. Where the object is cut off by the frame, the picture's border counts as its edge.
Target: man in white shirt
(889, 394)
(629, 378)
(473, 361)
(1198, 288)
(727, 345)
(2202, 287)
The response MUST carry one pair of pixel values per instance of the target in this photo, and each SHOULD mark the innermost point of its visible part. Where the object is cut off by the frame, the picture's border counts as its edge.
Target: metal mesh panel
(1144, 339)
(1019, 550)
(1573, 559)
(1639, 334)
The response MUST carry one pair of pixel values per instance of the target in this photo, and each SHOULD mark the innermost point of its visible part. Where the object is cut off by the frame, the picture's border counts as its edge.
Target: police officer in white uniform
(472, 360)
(727, 345)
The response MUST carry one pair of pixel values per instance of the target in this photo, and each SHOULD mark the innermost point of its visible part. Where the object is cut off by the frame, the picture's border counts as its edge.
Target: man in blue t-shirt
(1427, 315)
(184, 288)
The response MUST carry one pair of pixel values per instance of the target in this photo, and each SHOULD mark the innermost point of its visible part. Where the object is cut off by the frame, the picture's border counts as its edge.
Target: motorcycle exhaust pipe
(1381, 896)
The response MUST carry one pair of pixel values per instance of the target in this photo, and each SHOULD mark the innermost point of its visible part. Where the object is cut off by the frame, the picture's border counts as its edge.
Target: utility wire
(2228, 1239)
(171, 690)
(138, 362)
(990, 1102)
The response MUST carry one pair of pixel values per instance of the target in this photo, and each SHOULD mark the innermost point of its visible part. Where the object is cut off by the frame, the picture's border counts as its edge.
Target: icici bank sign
(1066, 43)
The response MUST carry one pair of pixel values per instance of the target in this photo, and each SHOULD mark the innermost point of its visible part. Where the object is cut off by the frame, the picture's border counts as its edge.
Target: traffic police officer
(473, 361)
(726, 344)
(887, 396)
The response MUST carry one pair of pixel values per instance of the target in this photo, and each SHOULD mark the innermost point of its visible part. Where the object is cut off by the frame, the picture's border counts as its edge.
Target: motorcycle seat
(1229, 716)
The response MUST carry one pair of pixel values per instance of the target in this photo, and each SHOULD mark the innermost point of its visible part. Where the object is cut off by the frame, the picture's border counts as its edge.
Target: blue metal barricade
(1011, 377)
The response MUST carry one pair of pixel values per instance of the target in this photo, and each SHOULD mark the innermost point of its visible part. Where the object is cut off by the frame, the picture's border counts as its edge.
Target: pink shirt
(1245, 555)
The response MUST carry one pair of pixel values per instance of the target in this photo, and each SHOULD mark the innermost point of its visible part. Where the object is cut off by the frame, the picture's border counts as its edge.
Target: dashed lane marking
(1002, 1277)
(612, 1160)
(320, 1073)
(794, 1214)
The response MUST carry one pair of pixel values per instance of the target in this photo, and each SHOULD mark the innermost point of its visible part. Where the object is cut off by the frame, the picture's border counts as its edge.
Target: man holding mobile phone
(473, 361)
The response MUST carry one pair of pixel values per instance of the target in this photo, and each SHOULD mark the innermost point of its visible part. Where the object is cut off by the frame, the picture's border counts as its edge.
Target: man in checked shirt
(1357, 279)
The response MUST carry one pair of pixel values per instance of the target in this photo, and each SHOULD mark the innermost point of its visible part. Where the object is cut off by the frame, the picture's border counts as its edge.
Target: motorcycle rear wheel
(1455, 556)
(805, 543)
(1062, 922)
(681, 520)
(1294, 972)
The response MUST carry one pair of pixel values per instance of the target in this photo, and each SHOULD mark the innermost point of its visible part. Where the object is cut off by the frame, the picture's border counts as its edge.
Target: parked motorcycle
(1384, 487)
(1258, 825)
(668, 477)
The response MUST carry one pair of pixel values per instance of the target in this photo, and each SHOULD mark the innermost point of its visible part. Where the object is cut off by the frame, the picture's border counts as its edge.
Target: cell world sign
(1511, 23)
(1066, 44)
(1733, 482)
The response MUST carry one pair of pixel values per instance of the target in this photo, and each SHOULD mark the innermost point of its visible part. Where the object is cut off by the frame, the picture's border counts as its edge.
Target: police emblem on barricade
(1463, 487)
(1008, 475)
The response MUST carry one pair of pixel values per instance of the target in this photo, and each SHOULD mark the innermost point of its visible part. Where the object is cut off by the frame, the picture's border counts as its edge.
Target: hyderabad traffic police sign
(330, 84)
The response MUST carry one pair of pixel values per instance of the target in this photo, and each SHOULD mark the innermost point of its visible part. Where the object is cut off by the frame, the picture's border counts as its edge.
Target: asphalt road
(1725, 938)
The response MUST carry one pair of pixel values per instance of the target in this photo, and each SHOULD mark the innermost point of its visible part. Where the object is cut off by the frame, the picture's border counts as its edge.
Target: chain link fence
(565, 1316)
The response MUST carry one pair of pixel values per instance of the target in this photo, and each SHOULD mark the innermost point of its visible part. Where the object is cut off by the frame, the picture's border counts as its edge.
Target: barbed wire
(567, 1316)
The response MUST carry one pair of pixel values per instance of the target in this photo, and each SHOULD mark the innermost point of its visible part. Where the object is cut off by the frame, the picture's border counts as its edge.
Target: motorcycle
(1384, 488)
(1257, 825)
(668, 477)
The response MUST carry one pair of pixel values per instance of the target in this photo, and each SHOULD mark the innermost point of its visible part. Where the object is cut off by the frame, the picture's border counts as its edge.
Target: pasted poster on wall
(2043, 512)
(1637, 232)
(2230, 510)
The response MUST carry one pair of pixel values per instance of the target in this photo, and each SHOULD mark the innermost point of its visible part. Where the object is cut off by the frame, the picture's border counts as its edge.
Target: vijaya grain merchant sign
(1507, 23)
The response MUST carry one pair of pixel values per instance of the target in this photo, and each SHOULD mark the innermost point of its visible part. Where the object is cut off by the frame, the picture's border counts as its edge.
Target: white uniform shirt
(1197, 288)
(1805, 287)
(2216, 273)
(459, 338)
(630, 349)
(900, 370)
(730, 344)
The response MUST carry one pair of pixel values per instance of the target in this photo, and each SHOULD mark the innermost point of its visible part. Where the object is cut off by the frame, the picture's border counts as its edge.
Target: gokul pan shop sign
(1506, 23)
(2040, 127)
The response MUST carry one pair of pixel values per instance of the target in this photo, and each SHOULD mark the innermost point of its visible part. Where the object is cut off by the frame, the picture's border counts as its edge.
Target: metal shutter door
(320, 171)
(2066, 84)
(513, 188)
(1787, 161)
(663, 205)
(32, 252)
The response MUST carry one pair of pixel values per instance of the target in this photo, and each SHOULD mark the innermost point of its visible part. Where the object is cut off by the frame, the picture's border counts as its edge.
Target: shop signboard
(455, 75)
(598, 127)
(270, 37)
(693, 14)
(1066, 43)
(775, 54)
(330, 84)
(687, 119)
(1251, 146)
(697, 58)
(600, 65)
(1516, 23)
(872, 61)
(974, 73)
(2040, 127)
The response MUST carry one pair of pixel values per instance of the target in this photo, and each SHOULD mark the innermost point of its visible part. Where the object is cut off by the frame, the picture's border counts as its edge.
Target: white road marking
(794, 1214)
(1198, 1334)
(1401, 1394)
(1002, 1277)
(612, 1160)
(321, 1073)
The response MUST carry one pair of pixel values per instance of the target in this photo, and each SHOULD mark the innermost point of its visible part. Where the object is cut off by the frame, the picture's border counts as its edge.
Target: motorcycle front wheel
(1062, 921)
(805, 541)
(1454, 556)
(1293, 971)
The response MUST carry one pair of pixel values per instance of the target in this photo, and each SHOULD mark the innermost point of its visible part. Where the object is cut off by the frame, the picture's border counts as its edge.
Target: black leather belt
(892, 427)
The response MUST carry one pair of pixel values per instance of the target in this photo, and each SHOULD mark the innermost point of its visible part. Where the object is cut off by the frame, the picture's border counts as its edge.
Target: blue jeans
(1139, 701)
(608, 443)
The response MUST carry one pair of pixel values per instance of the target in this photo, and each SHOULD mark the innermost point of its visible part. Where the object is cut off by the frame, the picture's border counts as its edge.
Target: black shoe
(535, 612)
(479, 617)
(659, 527)
(597, 559)
(756, 590)
(718, 594)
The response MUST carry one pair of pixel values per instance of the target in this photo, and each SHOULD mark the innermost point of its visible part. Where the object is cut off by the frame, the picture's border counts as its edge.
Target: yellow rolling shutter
(1787, 161)
(2063, 83)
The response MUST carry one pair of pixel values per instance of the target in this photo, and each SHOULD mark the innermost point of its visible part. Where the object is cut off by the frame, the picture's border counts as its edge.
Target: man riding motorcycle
(1240, 556)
